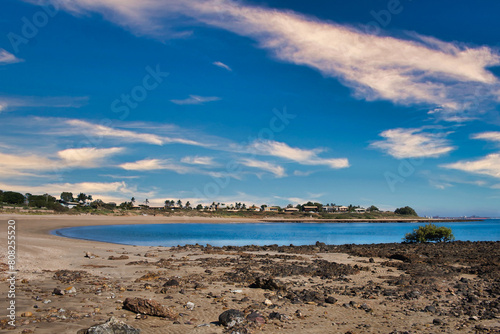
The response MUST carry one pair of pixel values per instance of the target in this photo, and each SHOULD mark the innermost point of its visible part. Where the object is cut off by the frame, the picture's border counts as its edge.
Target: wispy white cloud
(412, 70)
(197, 160)
(302, 156)
(196, 99)
(413, 143)
(146, 164)
(440, 184)
(488, 165)
(103, 131)
(87, 157)
(13, 102)
(121, 177)
(8, 58)
(489, 136)
(277, 170)
(443, 181)
(20, 163)
(222, 65)
(302, 173)
(160, 164)
(34, 165)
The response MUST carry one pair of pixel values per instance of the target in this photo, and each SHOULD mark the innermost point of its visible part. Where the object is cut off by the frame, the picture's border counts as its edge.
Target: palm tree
(179, 203)
(146, 201)
(188, 205)
(132, 200)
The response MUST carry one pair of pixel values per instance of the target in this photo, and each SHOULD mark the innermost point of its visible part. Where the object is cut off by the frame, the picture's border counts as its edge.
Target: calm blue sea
(271, 233)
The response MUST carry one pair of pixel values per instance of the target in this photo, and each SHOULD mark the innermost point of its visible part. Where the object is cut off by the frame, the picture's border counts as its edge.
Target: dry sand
(214, 280)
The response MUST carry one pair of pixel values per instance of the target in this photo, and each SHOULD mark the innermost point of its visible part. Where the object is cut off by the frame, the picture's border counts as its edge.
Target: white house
(342, 208)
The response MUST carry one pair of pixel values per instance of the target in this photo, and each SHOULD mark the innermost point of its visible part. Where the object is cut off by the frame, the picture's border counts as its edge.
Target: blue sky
(390, 103)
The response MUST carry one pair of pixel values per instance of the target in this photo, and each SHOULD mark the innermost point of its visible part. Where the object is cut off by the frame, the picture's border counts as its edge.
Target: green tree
(405, 211)
(40, 201)
(373, 208)
(97, 204)
(179, 203)
(12, 197)
(81, 197)
(199, 207)
(429, 233)
(1, 196)
(67, 196)
(188, 205)
(146, 202)
(132, 200)
(127, 205)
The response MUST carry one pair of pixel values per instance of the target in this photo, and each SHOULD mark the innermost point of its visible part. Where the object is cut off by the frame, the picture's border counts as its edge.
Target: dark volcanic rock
(330, 300)
(269, 284)
(171, 282)
(277, 316)
(430, 308)
(112, 326)
(415, 294)
(401, 257)
(58, 292)
(121, 257)
(231, 318)
(149, 307)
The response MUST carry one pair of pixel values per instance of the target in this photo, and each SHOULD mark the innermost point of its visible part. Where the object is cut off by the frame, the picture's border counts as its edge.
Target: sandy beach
(67, 285)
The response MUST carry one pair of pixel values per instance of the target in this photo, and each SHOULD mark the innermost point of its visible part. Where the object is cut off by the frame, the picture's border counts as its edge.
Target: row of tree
(48, 201)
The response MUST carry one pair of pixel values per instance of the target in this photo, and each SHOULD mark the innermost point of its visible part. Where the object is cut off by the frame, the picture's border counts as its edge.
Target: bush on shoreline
(429, 233)
(405, 211)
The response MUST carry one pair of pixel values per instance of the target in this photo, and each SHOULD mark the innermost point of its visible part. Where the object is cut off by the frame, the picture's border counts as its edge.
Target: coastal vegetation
(86, 204)
(406, 211)
(429, 233)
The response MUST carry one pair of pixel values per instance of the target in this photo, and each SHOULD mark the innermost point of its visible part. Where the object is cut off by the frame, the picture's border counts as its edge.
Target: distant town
(83, 203)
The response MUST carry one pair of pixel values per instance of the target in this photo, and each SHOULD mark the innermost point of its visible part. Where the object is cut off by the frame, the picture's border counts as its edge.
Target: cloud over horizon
(276, 170)
(488, 165)
(413, 143)
(301, 156)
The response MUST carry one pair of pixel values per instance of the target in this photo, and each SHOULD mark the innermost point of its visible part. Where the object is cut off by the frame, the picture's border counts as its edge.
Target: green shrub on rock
(429, 233)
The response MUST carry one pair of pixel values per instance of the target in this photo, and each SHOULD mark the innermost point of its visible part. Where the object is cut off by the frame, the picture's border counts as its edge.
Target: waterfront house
(310, 208)
(291, 210)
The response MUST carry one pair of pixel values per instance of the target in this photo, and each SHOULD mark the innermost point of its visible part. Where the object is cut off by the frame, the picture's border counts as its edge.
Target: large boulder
(112, 326)
(149, 307)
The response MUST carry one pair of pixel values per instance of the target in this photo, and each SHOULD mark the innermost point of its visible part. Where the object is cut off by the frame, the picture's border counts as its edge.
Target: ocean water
(240, 234)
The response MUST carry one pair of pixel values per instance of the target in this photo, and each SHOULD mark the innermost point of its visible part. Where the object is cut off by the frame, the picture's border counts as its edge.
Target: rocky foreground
(386, 288)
